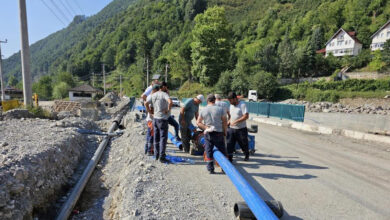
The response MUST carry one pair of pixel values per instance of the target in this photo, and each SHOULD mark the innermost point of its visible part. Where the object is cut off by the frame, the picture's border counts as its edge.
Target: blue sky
(41, 21)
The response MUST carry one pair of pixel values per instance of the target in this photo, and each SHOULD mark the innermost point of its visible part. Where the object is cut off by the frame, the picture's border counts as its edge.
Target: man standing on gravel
(171, 120)
(187, 113)
(149, 122)
(237, 131)
(162, 105)
(213, 121)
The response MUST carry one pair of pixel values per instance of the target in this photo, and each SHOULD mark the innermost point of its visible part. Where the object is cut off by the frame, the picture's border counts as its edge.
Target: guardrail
(277, 110)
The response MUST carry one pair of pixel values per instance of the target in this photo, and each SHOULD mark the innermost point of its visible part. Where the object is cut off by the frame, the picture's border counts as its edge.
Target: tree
(268, 59)
(43, 87)
(386, 53)
(60, 90)
(288, 61)
(224, 83)
(12, 81)
(265, 83)
(66, 78)
(211, 46)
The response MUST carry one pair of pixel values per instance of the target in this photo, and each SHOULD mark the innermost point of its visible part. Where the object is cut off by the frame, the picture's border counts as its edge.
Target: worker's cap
(232, 95)
(200, 97)
(218, 96)
(156, 87)
(211, 98)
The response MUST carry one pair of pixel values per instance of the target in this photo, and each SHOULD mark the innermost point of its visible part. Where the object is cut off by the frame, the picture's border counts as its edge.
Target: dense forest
(218, 45)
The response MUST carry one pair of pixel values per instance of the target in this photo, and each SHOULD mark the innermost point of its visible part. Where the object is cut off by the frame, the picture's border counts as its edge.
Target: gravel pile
(328, 107)
(37, 159)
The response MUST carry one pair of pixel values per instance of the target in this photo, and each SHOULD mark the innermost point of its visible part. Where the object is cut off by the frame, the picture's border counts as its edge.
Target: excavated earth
(38, 164)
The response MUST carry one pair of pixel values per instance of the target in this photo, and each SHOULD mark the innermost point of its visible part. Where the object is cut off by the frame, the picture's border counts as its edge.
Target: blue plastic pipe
(258, 207)
(173, 139)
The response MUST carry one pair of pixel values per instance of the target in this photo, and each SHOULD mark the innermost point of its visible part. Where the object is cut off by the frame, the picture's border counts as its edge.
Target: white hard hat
(200, 97)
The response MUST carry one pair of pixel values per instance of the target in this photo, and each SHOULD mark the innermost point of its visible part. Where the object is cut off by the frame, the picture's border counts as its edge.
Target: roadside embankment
(37, 160)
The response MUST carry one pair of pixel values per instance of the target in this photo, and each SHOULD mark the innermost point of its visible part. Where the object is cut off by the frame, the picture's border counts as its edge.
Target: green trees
(60, 90)
(211, 47)
(43, 88)
(265, 84)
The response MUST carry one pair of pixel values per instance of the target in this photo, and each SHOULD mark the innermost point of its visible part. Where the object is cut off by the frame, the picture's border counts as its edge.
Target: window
(388, 34)
(381, 34)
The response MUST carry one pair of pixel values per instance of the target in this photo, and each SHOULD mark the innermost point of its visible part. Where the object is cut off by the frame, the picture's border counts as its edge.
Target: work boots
(246, 157)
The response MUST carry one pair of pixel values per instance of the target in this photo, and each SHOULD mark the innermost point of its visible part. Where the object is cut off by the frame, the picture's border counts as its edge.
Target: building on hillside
(83, 92)
(12, 93)
(380, 37)
(343, 43)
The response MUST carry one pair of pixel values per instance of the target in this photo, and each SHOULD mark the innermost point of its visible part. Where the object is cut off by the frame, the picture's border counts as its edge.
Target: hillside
(267, 39)
(46, 51)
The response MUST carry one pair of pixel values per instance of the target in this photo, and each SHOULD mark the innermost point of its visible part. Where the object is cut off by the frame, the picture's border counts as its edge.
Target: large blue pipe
(258, 207)
(173, 139)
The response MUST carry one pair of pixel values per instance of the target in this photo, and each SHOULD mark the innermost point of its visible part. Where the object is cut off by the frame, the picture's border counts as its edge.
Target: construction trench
(125, 184)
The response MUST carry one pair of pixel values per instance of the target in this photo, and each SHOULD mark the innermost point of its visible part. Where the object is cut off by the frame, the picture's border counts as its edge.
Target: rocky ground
(37, 160)
(130, 185)
(379, 108)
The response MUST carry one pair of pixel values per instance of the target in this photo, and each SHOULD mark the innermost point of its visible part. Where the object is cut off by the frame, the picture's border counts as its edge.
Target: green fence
(277, 110)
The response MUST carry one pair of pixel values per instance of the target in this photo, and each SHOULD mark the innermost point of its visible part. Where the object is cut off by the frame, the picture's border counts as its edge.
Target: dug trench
(40, 162)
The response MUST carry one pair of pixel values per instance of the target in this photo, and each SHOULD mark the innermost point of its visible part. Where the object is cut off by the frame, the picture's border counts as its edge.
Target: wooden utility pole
(1, 74)
(25, 54)
(166, 73)
(104, 79)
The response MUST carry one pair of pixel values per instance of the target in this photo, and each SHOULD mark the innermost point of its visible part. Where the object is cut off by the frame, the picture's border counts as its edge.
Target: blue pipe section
(173, 139)
(258, 207)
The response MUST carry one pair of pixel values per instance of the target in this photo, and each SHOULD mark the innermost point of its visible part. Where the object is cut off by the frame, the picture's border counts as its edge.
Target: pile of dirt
(37, 159)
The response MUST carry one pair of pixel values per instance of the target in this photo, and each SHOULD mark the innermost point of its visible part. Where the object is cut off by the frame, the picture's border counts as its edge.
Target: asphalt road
(314, 176)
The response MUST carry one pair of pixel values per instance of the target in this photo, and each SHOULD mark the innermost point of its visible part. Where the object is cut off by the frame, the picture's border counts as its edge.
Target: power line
(52, 11)
(70, 6)
(59, 9)
(66, 9)
(77, 4)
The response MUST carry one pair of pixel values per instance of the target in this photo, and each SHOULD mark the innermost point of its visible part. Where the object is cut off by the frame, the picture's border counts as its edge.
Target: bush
(315, 95)
(265, 84)
(60, 91)
(191, 89)
(38, 112)
(282, 94)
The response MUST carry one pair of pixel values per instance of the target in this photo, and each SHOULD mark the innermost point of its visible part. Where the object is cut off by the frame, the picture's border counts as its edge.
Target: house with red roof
(343, 43)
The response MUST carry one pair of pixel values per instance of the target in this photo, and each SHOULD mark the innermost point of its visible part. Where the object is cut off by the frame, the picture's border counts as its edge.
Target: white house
(343, 43)
(380, 37)
(83, 92)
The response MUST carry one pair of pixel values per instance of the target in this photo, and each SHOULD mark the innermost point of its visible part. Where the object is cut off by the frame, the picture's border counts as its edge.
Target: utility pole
(1, 74)
(166, 72)
(93, 79)
(104, 79)
(120, 85)
(25, 54)
(147, 72)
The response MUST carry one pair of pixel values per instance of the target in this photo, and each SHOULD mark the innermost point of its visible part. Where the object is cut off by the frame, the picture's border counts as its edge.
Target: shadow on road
(275, 176)
(256, 162)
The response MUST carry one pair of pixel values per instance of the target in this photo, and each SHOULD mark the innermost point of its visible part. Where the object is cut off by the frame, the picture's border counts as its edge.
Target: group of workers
(223, 125)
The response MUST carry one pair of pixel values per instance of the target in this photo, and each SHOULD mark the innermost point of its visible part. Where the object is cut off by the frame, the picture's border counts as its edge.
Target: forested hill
(45, 52)
(237, 45)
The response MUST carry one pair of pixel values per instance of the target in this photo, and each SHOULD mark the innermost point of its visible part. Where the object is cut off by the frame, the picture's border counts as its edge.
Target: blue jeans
(149, 141)
(173, 122)
(213, 139)
(160, 137)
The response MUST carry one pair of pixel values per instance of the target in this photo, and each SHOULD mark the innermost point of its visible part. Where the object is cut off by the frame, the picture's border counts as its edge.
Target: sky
(41, 20)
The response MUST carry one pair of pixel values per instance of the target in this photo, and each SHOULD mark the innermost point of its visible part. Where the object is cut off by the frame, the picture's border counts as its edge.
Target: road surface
(318, 176)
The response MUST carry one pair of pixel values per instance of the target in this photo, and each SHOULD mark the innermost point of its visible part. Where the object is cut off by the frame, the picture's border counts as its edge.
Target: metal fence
(277, 110)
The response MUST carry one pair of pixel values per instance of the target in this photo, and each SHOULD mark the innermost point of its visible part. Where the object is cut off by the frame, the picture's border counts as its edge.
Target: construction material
(256, 204)
(174, 140)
